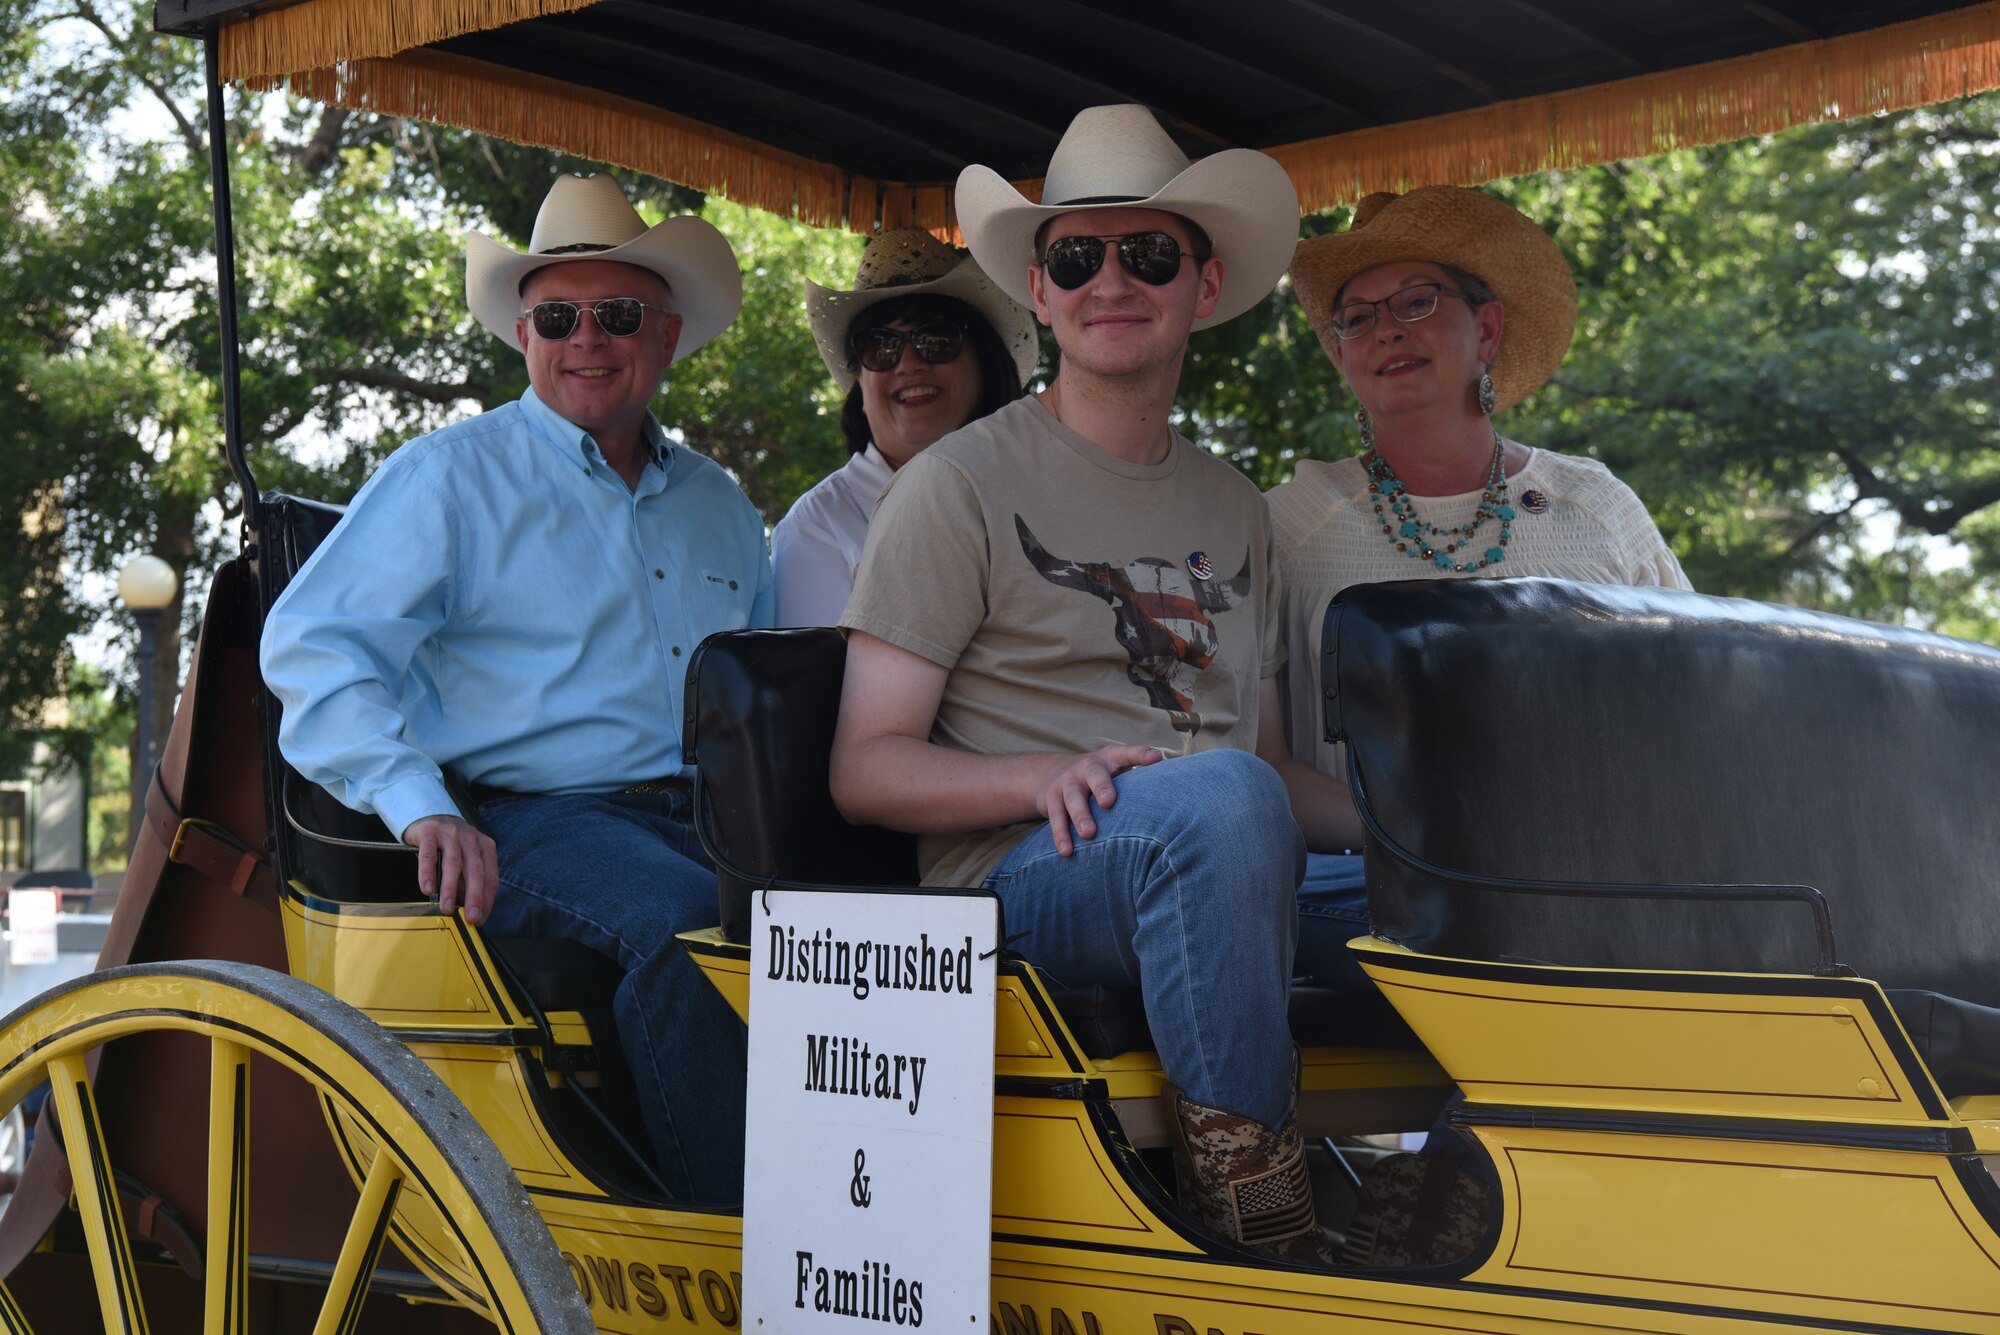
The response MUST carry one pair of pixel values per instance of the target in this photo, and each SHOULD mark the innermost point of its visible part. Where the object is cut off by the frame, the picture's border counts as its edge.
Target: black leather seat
(1571, 736)
(761, 709)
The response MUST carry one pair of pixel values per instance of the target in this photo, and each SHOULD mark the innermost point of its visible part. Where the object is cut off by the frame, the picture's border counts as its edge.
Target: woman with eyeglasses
(1441, 309)
(923, 343)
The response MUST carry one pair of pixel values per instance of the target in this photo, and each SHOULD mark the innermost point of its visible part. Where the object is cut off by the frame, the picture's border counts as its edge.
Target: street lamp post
(146, 585)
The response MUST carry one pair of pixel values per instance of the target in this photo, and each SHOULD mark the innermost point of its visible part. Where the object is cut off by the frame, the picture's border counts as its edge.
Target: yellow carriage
(299, 1097)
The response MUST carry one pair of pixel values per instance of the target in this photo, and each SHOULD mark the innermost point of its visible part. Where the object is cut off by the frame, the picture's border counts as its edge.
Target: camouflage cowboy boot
(1245, 1182)
(1416, 1210)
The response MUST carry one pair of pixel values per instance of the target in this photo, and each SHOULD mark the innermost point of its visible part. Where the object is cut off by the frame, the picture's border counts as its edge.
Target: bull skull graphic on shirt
(1161, 617)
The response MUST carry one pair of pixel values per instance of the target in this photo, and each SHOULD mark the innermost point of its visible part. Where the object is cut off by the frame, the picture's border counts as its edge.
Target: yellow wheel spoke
(11, 1320)
(228, 1253)
(97, 1197)
(361, 1247)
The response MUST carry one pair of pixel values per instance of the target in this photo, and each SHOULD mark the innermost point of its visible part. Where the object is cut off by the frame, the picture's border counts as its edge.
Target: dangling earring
(1487, 398)
(1366, 426)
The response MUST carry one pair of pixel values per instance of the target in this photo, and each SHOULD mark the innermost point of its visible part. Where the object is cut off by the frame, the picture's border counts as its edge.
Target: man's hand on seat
(456, 864)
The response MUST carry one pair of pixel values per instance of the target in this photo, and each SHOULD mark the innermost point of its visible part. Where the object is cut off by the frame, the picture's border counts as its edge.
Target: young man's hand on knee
(1066, 797)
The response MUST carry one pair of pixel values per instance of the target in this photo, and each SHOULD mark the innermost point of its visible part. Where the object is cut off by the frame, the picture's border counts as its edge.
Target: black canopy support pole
(225, 286)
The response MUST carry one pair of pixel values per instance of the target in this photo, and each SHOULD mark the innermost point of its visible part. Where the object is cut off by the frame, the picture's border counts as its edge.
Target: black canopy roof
(901, 91)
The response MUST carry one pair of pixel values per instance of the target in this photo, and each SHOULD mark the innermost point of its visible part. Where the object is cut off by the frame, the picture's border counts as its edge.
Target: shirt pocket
(726, 600)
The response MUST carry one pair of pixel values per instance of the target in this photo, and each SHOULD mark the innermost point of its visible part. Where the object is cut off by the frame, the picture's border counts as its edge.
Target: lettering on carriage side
(718, 1298)
(609, 1276)
(644, 1291)
(1163, 1324)
(679, 1276)
(1024, 1320)
(658, 1290)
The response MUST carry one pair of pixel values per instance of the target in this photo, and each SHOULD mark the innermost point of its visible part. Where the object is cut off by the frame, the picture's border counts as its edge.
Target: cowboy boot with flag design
(1246, 1182)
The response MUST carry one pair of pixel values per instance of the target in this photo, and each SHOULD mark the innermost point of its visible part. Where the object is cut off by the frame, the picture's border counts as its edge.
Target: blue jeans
(622, 873)
(1333, 910)
(1187, 893)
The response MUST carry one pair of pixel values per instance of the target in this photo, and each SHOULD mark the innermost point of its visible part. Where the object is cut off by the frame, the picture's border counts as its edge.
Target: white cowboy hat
(910, 262)
(589, 218)
(1119, 158)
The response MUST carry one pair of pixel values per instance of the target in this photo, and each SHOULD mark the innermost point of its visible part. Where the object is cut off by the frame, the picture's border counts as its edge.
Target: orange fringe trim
(529, 109)
(321, 33)
(1891, 68)
(1888, 69)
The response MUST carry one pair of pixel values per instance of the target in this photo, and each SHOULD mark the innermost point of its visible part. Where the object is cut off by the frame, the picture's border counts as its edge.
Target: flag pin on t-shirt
(1533, 501)
(1200, 566)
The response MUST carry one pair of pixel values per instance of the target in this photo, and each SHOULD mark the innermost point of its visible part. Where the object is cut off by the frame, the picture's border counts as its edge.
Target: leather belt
(674, 783)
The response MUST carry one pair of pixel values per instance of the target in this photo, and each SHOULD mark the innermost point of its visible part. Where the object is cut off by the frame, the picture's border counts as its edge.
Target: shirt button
(677, 651)
(732, 584)
(659, 574)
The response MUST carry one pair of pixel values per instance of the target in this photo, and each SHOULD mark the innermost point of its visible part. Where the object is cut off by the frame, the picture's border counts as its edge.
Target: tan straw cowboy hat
(1119, 158)
(1469, 230)
(910, 262)
(589, 218)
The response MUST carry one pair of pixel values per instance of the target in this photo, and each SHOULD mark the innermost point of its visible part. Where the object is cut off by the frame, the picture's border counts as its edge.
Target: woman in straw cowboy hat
(923, 343)
(1440, 308)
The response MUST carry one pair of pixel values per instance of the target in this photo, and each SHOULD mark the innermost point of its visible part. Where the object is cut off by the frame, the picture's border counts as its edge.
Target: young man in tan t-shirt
(1061, 671)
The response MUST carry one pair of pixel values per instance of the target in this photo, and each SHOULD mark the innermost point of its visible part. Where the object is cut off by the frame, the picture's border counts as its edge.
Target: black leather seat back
(293, 530)
(761, 708)
(1561, 732)
(319, 841)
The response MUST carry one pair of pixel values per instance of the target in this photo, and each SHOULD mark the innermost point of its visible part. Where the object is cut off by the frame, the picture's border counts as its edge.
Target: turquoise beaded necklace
(1441, 546)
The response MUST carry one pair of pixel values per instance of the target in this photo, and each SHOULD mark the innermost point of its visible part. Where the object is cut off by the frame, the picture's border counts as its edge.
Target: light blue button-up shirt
(498, 601)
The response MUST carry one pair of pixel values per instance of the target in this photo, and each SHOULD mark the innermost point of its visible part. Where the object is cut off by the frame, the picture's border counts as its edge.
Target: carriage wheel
(437, 1160)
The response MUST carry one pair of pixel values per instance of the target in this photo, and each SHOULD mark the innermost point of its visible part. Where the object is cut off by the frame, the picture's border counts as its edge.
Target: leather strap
(204, 845)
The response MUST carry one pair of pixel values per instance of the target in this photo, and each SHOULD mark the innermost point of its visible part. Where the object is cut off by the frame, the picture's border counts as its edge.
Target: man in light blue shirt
(515, 598)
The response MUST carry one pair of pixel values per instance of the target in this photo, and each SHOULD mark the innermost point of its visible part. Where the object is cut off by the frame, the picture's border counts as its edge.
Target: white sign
(31, 921)
(868, 1192)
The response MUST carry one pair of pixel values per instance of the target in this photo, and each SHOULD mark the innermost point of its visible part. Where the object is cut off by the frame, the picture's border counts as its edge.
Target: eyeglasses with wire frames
(620, 317)
(881, 349)
(1154, 258)
(1417, 302)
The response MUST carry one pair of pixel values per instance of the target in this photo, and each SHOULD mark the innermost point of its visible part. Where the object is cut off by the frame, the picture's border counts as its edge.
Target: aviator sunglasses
(620, 317)
(881, 348)
(1154, 258)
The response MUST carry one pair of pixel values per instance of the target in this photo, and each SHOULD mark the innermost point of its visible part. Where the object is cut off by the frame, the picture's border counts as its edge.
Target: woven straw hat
(1469, 230)
(910, 262)
(589, 218)
(1119, 158)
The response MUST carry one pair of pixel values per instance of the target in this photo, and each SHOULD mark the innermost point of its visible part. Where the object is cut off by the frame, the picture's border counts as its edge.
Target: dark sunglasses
(881, 348)
(1154, 258)
(620, 317)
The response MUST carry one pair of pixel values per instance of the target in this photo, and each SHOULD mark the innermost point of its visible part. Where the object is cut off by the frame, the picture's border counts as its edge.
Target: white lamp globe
(146, 583)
